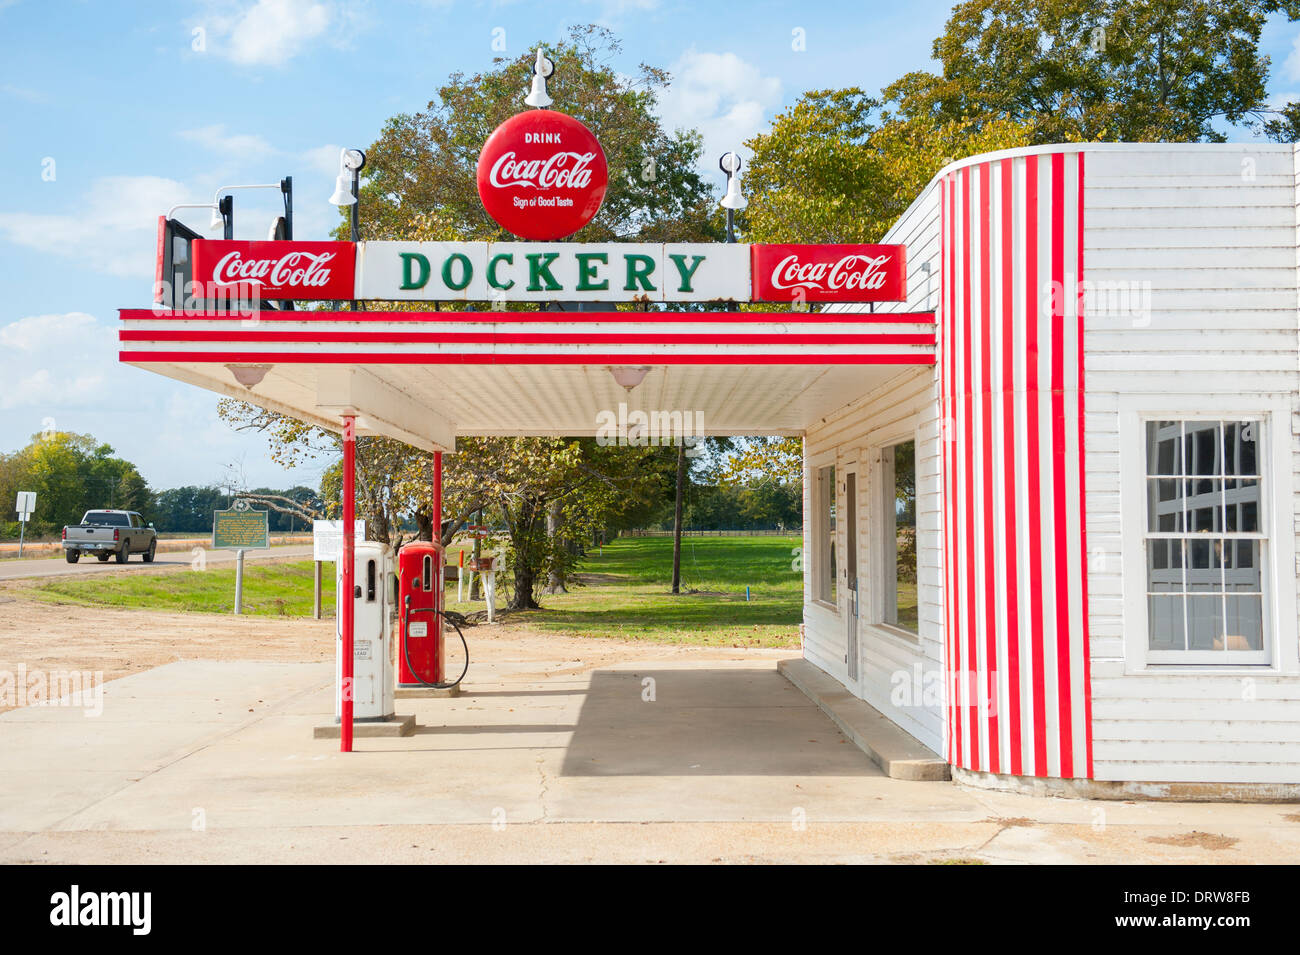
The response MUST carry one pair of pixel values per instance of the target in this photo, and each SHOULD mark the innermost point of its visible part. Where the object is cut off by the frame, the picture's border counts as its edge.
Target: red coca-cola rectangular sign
(829, 273)
(277, 270)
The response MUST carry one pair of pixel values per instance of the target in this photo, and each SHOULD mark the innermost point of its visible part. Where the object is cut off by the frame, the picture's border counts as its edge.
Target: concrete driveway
(664, 759)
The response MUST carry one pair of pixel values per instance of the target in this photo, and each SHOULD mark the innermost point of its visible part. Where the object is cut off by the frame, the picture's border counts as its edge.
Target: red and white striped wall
(1011, 373)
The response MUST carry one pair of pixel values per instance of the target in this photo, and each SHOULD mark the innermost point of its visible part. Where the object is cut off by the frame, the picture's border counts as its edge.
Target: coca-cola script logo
(295, 269)
(829, 273)
(285, 270)
(542, 175)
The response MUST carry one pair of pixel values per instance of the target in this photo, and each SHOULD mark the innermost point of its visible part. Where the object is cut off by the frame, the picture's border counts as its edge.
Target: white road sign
(26, 504)
(327, 538)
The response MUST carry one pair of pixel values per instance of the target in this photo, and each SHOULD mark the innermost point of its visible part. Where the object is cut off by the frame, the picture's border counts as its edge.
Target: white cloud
(1292, 65)
(322, 159)
(114, 230)
(727, 99)
(23, 93)
(245, 146)
(36, 332)
(272, 32)
(54, 362)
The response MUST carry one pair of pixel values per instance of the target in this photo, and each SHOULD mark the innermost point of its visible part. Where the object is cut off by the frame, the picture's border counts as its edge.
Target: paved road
(58, 566)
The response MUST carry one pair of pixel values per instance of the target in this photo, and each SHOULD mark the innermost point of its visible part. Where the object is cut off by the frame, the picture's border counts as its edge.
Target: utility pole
(677, 517)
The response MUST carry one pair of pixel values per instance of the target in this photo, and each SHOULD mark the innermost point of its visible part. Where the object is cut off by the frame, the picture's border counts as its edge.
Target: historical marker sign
(240, 530)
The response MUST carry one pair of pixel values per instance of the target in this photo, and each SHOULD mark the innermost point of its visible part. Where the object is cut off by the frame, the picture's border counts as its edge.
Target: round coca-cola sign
(542, 175)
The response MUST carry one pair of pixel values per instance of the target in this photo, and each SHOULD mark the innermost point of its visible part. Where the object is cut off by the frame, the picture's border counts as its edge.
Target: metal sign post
(240, 528)
(26, 504)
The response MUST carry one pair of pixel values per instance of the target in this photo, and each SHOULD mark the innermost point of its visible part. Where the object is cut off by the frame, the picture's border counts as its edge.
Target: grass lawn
(276, 590)
(626, 594)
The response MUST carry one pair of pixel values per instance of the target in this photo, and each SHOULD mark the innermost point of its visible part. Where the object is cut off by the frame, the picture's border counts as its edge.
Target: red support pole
(348, 621)
(437, 497)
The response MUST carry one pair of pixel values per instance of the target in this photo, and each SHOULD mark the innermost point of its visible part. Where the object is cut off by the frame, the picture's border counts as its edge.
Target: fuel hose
(407, 610)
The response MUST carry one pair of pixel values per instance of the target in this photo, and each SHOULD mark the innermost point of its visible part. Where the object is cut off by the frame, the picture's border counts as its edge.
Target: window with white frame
(898, 603)
(1205, 542)
(823, 527)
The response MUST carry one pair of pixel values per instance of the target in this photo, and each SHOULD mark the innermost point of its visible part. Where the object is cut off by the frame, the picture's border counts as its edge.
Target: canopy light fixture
(249, 375)
(629, 376)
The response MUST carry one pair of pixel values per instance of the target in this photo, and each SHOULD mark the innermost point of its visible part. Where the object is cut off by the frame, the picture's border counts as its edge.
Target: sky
(110, 113)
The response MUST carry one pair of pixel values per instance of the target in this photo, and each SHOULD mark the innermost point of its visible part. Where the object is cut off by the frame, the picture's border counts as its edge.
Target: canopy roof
(426, 377)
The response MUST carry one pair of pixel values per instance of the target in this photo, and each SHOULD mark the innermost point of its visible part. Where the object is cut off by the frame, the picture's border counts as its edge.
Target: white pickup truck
(108, 534)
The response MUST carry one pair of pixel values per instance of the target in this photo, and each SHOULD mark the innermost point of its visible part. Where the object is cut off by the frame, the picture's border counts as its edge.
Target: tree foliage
(1074, 71)
(424, 164)
(71, 474)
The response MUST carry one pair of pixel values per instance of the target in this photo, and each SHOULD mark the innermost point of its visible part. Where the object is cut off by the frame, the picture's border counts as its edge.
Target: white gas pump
(372, 661)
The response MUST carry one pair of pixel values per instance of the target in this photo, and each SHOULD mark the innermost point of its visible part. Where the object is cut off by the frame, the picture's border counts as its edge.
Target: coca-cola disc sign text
(281, 270)
(829, 273)
(542, 175)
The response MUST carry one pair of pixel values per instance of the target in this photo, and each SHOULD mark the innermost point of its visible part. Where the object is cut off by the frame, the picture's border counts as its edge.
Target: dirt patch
(1196, 840)
(1292, 817)
(1012, 822)
(119, 642)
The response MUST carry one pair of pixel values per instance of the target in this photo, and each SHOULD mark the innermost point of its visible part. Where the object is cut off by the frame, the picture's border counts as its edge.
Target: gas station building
(1086, 357)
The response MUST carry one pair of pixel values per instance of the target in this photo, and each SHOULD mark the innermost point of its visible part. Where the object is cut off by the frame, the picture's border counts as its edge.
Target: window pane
(1164, 447)
(1205, 564)
(825, 529)
(1239, 447)
(904, 565)
(1165, 565)
(1164, 505)
(1202, 448)
(1245, 624)
(1242, 572)
(1241, 506)
(1205, 623)
(1204, 504)
(1166, 623)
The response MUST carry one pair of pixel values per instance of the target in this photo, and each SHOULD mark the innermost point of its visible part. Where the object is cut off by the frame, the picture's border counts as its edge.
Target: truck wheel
(123, 554)
(72, 556)
(103, 558)
(148, 555)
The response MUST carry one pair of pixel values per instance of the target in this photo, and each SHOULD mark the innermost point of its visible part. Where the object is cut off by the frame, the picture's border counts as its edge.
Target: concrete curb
(397, 726)
(895, 751)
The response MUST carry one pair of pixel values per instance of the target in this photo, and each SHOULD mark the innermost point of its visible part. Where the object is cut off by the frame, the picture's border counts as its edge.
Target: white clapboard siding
(1211, 231)
(885, 660)
(904, 408)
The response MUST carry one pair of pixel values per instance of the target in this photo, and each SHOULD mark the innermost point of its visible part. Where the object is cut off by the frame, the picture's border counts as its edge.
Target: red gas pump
(421, 653)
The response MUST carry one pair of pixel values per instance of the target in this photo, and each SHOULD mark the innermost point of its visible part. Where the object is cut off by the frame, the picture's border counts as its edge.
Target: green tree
(1122, 70)
(424, 164)
(833, 168)
(71, 474)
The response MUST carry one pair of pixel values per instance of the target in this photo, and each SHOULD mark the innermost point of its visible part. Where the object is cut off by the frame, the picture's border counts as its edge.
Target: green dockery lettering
(587, 271)
(492, 271)
(639, 268)
(539, 270)
(467, 271)
(410, 281)
(684, 272)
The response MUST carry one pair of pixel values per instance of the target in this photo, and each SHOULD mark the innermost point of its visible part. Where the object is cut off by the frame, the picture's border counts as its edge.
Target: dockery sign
(553, 271)
(542, 176)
